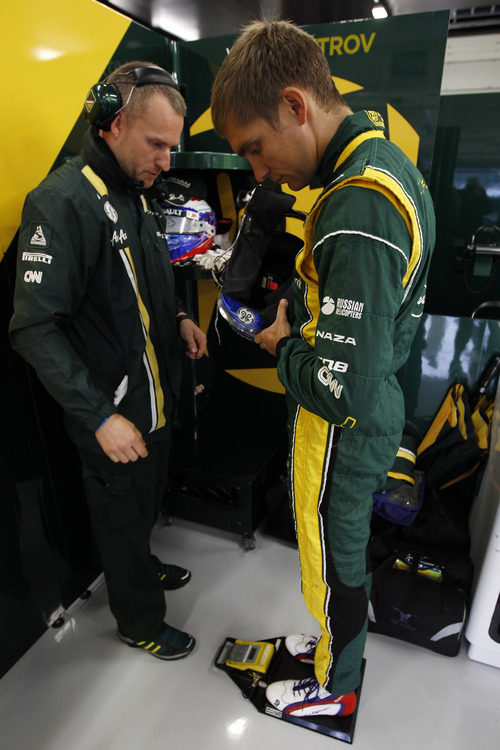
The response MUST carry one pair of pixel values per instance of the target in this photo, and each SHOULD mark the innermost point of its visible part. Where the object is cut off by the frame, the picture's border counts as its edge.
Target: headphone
(104, 100)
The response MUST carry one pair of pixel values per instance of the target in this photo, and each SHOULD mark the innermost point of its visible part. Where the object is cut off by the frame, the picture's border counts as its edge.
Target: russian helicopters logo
(328, 306)
(348, 308)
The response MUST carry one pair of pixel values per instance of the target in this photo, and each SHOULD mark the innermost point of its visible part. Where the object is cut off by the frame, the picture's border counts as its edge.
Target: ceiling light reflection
(379, 10)
(237, 728)
(166, 20)
(46, 53)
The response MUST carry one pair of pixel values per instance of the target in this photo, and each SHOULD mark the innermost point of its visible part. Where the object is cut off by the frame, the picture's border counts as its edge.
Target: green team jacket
(359, 290)
(94, 305)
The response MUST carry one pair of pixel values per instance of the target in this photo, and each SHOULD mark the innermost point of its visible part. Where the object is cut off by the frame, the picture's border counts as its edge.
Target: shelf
(207, 160)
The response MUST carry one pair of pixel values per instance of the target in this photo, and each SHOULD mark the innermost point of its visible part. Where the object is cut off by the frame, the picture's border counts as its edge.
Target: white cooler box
(483, 627)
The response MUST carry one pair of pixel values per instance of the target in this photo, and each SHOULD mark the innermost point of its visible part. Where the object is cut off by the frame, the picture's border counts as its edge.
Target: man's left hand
(196, 341)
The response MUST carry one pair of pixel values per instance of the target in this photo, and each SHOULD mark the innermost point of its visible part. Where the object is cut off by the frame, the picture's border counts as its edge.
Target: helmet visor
(184, 221)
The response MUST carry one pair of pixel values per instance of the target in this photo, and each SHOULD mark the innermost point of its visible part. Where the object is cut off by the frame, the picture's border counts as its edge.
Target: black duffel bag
(415, 599)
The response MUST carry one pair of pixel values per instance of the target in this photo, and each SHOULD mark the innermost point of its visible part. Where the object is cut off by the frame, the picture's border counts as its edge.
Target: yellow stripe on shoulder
(406, 208)
(353, 145)
(94, 180)
(383, 182)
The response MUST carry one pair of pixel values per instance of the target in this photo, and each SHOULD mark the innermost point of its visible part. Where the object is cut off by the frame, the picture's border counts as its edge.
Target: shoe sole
(165, 657)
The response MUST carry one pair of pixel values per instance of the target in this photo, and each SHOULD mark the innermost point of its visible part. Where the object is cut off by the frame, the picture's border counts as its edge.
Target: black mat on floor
(282, 666)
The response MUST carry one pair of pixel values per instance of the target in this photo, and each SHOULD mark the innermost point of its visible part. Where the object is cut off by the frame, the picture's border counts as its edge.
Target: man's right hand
(120, 440)
(268, 338)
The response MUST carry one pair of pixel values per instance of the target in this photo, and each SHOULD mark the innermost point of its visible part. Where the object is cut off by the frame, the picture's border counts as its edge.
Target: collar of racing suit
(350, 127)
(99, 156)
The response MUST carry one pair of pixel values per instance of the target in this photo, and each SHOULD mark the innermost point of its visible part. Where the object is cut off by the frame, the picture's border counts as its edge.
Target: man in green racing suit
(359, 292)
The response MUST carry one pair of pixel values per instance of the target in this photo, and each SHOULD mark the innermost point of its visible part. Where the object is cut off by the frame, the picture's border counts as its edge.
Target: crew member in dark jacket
(95, 314)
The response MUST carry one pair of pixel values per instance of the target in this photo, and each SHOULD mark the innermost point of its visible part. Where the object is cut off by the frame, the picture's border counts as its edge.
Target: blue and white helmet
(190, 228)
(243, 319)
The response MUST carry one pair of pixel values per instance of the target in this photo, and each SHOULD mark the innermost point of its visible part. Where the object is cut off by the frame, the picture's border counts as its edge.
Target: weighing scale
(253, 665)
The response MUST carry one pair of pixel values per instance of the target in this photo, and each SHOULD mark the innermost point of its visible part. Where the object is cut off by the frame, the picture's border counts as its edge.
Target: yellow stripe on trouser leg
(310, 446)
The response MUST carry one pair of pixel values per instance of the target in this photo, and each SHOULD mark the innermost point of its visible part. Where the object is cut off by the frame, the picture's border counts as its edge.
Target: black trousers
(124, 502)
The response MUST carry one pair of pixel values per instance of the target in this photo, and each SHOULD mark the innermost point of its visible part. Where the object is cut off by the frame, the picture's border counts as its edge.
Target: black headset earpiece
(104, 100)
(102, 104)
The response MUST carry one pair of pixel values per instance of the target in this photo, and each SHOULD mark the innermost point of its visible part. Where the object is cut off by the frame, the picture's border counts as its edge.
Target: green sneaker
(171, 644)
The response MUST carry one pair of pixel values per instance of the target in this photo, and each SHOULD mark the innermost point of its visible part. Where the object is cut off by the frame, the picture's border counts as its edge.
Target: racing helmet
(190, 228)
(260, 269)
(242, 319)
(254, 308)
(191, 222)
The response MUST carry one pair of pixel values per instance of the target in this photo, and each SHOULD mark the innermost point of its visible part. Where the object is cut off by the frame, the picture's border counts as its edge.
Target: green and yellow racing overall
(358, 299)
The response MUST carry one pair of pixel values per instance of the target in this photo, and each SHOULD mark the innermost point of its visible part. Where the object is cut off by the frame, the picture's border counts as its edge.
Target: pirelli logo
(36, 258)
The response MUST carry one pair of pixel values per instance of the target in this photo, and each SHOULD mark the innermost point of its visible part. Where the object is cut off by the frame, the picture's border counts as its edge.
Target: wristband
(182, 317)
(104, 420)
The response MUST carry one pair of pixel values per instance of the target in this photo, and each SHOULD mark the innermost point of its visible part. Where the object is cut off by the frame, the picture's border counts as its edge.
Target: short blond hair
(141, 95)
(266, 58)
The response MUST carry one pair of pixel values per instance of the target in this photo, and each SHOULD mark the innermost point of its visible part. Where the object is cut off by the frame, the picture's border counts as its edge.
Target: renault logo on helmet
(89, 101)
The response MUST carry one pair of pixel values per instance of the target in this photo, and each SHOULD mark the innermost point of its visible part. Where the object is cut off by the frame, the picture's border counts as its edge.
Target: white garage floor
(80, 688)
